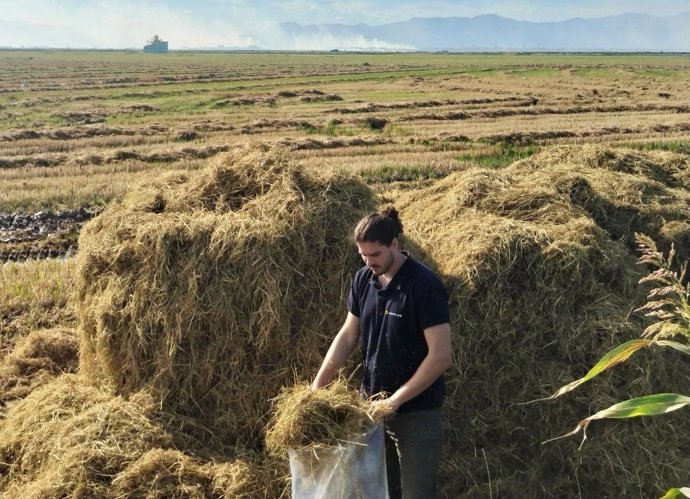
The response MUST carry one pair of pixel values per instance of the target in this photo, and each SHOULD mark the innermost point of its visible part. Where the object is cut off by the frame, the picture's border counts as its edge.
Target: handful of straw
(306, 420)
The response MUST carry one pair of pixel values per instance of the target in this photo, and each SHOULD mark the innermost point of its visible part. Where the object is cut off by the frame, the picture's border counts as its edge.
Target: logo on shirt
(388, 312)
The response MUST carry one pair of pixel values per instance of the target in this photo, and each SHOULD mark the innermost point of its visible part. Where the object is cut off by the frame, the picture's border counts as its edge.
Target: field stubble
(78, 129)
(159, 113)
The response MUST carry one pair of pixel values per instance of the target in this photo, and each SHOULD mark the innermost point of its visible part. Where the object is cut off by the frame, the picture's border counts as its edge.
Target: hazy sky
(210, 23)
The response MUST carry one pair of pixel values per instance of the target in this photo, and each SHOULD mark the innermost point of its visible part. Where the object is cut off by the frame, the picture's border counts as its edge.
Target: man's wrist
(395, 401)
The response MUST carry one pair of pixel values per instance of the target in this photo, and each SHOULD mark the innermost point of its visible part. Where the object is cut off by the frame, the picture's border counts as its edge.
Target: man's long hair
(379, 227)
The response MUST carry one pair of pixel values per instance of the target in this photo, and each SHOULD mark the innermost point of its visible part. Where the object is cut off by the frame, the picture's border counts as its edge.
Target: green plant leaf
(648, 405)
(677, 493)
(619, 354)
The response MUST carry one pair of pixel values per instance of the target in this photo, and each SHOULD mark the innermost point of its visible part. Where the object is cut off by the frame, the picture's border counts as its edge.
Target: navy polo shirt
(392, 321)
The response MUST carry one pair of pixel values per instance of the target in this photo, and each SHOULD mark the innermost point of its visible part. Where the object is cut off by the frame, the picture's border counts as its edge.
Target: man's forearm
(336, 356)
(431, 368)
(438, 359)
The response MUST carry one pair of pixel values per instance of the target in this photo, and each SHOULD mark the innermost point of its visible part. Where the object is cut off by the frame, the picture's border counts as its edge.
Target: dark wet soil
(43, 234)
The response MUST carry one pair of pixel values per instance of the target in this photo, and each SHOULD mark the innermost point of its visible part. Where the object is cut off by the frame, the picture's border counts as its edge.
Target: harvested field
(204, 263)
(483, 98)
(34, 294)
(334, 143)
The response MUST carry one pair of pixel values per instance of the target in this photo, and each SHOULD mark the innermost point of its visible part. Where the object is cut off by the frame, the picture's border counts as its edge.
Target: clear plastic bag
(352, 470)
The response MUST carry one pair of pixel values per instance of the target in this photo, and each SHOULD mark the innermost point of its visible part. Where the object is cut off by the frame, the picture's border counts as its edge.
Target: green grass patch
(331, 129)
(484, 71)
(395, 130)
(596, 72)
(32, 120)
(58, 199)
(681, 147)
(411, 173)
(500, 157)
(34, 281)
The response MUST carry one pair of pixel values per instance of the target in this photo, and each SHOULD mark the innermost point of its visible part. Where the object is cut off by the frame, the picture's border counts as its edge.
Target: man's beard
(384, 268)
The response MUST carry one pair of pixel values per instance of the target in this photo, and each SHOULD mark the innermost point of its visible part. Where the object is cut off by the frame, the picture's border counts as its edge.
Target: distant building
(156, 46)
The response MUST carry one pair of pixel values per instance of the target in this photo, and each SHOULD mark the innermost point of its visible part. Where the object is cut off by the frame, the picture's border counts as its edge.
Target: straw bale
(38, 358)
(305, 420)
(543, 279)
(211, 289)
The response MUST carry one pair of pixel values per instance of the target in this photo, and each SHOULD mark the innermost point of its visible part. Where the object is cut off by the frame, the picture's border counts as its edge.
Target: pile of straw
(305, 420)
(539, 262)
(38, 358)
(69, 439)
(210, 290)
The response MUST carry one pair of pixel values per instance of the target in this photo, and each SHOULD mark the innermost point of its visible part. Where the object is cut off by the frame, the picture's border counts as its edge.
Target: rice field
(433, 133)
(76, 128)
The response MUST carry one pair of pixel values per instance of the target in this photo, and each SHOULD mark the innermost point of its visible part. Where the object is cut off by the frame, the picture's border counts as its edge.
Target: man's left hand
(382, 408)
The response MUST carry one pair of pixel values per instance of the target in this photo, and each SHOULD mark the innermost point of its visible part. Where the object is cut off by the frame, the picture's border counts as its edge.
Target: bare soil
(44, 234)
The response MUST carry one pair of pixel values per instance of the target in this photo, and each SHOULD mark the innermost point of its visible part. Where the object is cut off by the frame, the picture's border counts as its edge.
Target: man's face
(378, 257)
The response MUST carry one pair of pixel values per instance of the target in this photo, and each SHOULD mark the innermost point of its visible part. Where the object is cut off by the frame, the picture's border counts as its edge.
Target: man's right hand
(343, 343)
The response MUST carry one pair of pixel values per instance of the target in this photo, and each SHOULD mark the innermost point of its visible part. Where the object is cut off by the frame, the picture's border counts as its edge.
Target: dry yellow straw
(304, 419)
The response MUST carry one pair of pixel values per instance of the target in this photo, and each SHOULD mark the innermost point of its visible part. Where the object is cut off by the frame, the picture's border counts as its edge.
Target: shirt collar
(399, 276)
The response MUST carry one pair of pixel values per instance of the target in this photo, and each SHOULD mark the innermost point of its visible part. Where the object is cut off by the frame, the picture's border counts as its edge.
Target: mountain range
(624, 33)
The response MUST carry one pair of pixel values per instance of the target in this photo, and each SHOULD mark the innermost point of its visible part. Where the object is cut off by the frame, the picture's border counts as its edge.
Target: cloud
(115, 25)
(27, 34)
(375, 12)
(209, 23)
(134, 24)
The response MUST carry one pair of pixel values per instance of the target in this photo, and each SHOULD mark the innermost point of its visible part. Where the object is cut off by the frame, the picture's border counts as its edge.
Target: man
(398, 309)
